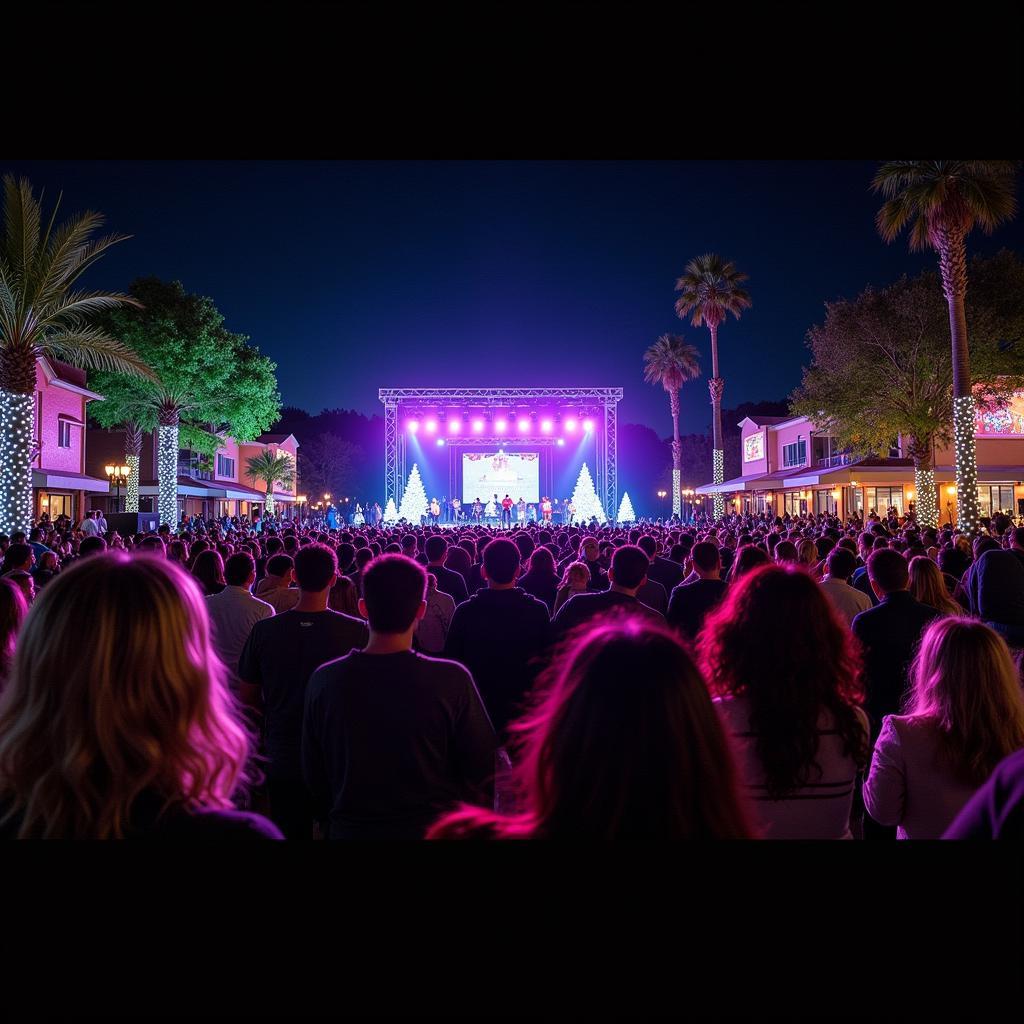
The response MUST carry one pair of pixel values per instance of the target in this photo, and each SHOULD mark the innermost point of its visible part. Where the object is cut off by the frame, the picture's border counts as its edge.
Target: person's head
(929, 587)
(208, 568)
(524, 542)
(364, 556)
(48, 561)
(1017, 538)
(436, 549)
(841, 563)
(394, 592)
(315, 568)
(647, 544)
(93, 546)
(17, 556)
(965, 681)
(626, 744)
(13, 609)
(865, 542)
(279, 568)
(748, 558)
(807, 553)
(240, 570)
(590, 550)
(888, 572)
(749, 648)
(542, 562)
(576, 576)
(153, 546)
(25, 583)
(786, 551)
(143, 707)
(629, 568)
(501, 563)
(954, 561)
(707, 561)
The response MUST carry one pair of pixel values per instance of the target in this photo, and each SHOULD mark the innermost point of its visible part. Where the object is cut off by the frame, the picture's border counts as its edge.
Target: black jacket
(450, 582)
(890, 633)
(690, 604)
(497, 634)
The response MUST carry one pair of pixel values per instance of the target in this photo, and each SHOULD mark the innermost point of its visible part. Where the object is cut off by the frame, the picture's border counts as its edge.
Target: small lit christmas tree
(414, 499)
(585, 499)
(626, 513)
(390, 513)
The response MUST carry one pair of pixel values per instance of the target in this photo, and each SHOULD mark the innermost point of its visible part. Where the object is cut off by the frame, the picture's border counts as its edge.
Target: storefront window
(881, 499)
(996, 498)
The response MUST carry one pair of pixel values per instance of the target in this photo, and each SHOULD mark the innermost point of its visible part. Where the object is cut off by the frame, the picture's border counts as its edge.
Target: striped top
(818, 810)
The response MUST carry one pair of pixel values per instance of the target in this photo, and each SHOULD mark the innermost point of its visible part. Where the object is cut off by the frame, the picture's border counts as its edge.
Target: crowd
(755, 677)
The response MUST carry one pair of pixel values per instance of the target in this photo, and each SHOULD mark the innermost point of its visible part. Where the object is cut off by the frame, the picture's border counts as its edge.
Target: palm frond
(22, 222)
(93, 348)
(75, 307)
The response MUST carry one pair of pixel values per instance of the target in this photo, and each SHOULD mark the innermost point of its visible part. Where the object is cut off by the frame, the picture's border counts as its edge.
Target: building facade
(790, 466)
(61, 477)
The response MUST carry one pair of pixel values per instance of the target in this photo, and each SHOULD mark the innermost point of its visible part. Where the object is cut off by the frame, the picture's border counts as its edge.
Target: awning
(55, 480)
(764, 481)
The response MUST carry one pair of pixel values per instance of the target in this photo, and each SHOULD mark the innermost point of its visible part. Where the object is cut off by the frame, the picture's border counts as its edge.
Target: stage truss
(603, 400)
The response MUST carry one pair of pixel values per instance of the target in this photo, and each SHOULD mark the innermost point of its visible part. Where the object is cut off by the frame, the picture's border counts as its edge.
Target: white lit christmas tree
(585, 499)
(626, 513)
(390, 513)
(414, 499)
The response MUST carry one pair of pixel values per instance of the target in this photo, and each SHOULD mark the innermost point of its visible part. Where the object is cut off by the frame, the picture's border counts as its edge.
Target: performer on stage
(446, 509)
(491, 511)
(456, 510)
(521, 512)
(531, 513)
(506, 511)
(358, 519)
(435, 511)
(545, 509)
(478, 510)
(570, 511)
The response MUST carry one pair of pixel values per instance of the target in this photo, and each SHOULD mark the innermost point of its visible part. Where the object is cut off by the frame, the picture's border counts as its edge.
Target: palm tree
(670, 362)
(271, 469)
(40, 314)
(711, 289)
(943, 200)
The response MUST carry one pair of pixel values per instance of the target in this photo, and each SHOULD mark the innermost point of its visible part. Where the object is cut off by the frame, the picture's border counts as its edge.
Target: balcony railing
(836, 460)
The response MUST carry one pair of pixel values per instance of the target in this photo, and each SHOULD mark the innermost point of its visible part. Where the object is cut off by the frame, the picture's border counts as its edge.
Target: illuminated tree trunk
(952, 249)
(167, 467)
(17, 437)
(132, 459)
(677, 455)
(716, 386)
(270, 498)
(926, 503)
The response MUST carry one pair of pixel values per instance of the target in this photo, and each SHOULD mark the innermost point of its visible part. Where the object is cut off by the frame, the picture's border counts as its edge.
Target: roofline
(55, 380)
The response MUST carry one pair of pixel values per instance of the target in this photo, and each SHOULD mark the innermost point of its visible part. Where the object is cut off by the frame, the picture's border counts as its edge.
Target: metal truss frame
(604, 399)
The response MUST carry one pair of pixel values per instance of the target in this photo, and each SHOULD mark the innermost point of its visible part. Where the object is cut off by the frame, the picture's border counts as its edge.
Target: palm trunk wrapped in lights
(133, 450)
(17, 436)
(926, 504)
(677, 457)
(716, 386)
(167, 467)
(270, 498)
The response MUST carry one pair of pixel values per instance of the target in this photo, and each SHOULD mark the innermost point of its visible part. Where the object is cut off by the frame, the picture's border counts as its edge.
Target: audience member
(691, 602)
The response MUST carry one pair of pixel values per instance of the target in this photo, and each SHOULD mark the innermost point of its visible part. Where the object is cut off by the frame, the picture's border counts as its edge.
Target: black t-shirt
(392, 741)
(282, 652)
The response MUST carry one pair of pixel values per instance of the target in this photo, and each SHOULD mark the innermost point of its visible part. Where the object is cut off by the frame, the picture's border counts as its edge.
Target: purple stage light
(440, 442)
(453, 426)
(413, 426)
(570, 426)
(431, 426)
(546, 426)
(500, 426)
(478, 426)
(524, 426)
(588, 425)
(561, 442)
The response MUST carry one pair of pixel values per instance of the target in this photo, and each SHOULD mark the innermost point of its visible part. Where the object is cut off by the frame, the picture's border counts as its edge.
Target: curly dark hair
(777, 641)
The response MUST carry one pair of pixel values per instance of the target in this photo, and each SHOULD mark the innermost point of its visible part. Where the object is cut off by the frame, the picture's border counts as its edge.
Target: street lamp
(118, 476)
(662, 495)
(688, 494)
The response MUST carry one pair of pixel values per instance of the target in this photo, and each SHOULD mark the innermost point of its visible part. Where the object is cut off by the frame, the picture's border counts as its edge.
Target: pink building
(60, 480)
(791, 466)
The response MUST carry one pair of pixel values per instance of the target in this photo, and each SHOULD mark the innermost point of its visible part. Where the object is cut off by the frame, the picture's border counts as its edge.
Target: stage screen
(516, 474)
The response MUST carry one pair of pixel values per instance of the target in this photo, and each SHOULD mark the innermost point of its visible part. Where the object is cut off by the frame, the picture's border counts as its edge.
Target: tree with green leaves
(671, 362)
(710, 288)
(271, 469)
(42, 314)
(208, 380)
(882, 366)
(942, 201)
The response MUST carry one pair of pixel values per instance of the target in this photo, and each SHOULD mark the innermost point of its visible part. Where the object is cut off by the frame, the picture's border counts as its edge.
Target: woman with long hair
(541, 580)
(208, 570)
(748, 558)
(575, 580)
(13, 609)
(807, 556)
(787, 681)
(623, 744)
(928, 586)
(130, 730)
(964, 714)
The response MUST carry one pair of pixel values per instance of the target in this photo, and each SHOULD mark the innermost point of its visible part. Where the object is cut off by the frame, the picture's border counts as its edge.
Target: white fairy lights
(926, 506)
(167, 469)
(718, 465)
(677, 507)
(626, 513)
(17, 418)
(966, 461)
(131, 500)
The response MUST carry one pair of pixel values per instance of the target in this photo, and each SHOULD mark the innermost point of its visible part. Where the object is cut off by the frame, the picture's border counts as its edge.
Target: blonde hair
(807, 552)
(128, 698)
(574, 569)
(965, 681)
(929, 587)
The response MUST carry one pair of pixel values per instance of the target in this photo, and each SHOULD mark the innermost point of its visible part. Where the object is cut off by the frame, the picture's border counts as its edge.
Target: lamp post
(951, 494)
(662, 495)
(118, 476)
(688, 493)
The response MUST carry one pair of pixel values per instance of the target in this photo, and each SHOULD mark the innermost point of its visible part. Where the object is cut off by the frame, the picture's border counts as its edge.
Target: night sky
(353, 276)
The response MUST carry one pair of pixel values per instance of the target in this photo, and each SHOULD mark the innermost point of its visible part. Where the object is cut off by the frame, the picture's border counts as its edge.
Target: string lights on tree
(585, 499)
(968, 507)
(17, 417)
(926, 505)
(390, 513)
(167, 466)
(718, 466)
(414, 499)
(626, 513)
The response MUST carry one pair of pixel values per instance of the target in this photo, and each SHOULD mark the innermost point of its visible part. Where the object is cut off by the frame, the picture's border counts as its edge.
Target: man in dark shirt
(392, 739)
(590, 555)
(449, 581)
(498, 633)
(663, 570)
(691, 602)
(890, 634)
(280, 655)
(627, 574)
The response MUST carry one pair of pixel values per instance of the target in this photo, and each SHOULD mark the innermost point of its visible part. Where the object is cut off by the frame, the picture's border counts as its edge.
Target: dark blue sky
(353, 276)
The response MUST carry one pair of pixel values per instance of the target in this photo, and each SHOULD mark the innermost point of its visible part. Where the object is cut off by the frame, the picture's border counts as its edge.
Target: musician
(506, 511)
(435, 511)
(545, 509)
(478, 510)
(456, 509)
